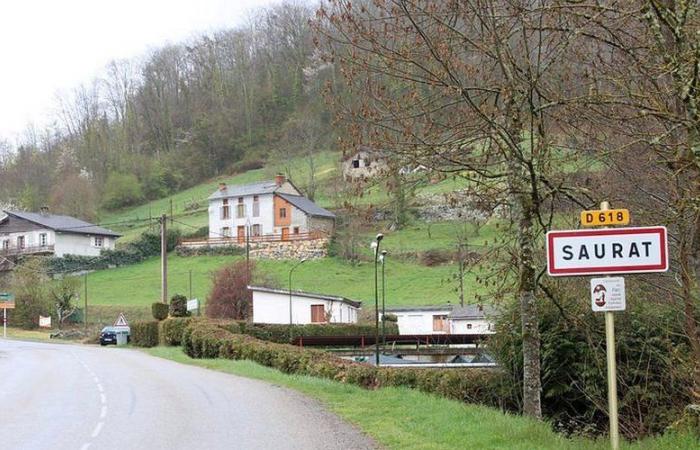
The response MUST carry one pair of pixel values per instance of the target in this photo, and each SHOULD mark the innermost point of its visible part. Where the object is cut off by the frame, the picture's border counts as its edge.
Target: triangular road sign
(121, 321)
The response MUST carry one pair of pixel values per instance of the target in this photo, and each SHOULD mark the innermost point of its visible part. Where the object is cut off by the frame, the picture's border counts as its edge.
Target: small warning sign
(608, 294)
(121, 321)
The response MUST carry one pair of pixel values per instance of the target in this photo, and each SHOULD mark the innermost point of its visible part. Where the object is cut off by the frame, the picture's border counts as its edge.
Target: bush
(281, 333)
(171, 330)
(144, 334)
(121, 189)
(432, 258)
(160, 310)
(226, 250)
(230, 297)
(178, 306)
(210, 339)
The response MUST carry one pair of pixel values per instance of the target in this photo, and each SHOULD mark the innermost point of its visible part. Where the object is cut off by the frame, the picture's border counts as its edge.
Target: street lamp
(290, 293)
(375, 246)
(383, 259)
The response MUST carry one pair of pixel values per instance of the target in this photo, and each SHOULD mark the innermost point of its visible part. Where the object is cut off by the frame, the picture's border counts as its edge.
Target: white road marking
(103, 412)
(100, 388)
(103, 398)
(85, 446)
(97, 429)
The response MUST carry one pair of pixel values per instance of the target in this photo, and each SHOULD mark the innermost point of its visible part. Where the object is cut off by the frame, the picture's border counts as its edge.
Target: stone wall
(310, 249)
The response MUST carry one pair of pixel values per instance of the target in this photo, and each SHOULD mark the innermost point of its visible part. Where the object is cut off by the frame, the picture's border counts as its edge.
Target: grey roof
(473, 312)
(332, 298)
(307, 206)
(241, 190)
(64, 224)
(395, 309)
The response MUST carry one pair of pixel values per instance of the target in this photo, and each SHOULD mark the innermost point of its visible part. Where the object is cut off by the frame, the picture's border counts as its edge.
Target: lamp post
(383, 258)
(290, 293)
(375, 246)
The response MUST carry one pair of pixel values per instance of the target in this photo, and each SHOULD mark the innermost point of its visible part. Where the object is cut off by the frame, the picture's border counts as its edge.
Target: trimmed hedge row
(145, 334)
(281, 333)
(207, 339)
(171, 330)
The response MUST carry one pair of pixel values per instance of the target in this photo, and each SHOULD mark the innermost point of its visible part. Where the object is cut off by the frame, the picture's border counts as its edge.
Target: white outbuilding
(273, 306)
(445, 319)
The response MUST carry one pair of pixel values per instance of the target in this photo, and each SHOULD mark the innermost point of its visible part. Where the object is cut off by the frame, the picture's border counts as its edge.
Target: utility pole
(85, 311)
(190, 284)
(163, 259)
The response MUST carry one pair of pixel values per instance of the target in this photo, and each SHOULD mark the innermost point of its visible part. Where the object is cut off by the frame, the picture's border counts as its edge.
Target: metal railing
(13, 251)
(237, 240)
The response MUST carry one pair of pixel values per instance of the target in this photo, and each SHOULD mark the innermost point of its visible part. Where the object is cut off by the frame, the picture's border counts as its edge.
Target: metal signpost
(607, 252)
(7, 301)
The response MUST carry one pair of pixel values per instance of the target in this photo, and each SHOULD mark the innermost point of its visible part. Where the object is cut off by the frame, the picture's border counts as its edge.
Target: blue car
(108, 335)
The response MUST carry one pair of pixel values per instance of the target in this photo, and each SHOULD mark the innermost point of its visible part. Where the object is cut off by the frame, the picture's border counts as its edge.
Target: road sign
(6, 297)
(608, 294)
(608, 251)
(121, 321)
(7, 305)
(45, 322)
(605, 217)
(192, 304)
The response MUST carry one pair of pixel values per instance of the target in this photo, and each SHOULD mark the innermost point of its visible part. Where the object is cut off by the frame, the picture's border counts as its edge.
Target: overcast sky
(48, 46)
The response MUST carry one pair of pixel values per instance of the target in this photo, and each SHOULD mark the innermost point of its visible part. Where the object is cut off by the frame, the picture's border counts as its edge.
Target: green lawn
(400, 418)
(407, 283)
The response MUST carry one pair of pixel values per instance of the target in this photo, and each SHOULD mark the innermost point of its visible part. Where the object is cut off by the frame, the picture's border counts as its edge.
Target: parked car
(108, 335)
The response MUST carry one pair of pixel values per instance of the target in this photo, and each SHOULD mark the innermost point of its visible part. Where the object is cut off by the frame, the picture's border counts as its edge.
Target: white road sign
(608, 294)
(192, 304)
(45, 322)
(608, 251)
(121, 321)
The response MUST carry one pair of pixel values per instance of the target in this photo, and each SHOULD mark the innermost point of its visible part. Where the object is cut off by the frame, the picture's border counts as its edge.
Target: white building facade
(49, 234)
(444, 319)
(268, 208)
(273, 306)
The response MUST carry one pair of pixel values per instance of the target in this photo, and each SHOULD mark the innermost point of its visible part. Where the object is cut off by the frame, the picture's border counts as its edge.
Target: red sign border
(602, 270)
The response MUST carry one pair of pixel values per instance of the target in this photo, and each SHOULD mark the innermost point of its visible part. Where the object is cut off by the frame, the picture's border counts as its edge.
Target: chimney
(222, 186)
(280, 179)
(44, 210)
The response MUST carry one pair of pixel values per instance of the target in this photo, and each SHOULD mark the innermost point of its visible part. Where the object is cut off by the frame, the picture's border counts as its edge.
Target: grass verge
(400, 418)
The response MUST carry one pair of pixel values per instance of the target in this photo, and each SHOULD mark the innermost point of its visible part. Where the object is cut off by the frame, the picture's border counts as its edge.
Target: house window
(43, 239)
(440, 323)
(20, 241)
(318, 314)
(296, 230)
(355, 163)
(256, 206)
(283, 213)
(240, 209)
(469, 326)
(6, 244)
(226, 232)
(99, 241)
(256, 230)
(225, 210)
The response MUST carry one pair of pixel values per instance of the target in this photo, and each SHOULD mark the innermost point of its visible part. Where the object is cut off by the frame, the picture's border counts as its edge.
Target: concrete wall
(269, 307)
(80, 244)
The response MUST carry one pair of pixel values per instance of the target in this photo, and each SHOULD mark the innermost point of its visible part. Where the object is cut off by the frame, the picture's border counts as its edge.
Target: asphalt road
(55, 396)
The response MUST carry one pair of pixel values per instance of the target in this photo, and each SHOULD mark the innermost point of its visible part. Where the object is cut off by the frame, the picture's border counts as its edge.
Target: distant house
(445, 319)
(50, 234)
(266, 209)
(272, 306)
(365, 163)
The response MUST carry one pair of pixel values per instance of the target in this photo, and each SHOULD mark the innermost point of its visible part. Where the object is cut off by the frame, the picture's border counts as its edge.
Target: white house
(268, 208)
(51, 234)
(445, 319)
(272, 306)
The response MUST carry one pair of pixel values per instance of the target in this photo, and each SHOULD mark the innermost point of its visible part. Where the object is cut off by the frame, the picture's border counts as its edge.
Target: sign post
(607, 251)
(6, 302)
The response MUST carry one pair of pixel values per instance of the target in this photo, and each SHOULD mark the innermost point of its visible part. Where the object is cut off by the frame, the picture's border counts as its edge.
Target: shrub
(145, 334)
(121, 189)
(281, 333)
(178, 306)
(31, 296)
(160, 310)
(434, 257)
(171, 330)
(204, 338)
(230, 297)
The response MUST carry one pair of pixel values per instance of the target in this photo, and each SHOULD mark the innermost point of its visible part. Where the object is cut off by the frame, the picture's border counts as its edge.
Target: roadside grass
(28, 335)
(401, 418)
(407, 283)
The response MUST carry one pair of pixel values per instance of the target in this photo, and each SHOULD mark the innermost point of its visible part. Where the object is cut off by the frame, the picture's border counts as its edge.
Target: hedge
(281, 333)
(208, 339)
(145, 334)
(178, 306)
(160, 310)
(171, 329)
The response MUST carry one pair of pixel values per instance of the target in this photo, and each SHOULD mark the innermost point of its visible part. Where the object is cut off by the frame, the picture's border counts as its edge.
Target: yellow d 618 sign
(598, 218)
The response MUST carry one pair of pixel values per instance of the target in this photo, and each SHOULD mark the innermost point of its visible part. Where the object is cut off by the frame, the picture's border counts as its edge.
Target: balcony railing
(241, 240)
(13, 251)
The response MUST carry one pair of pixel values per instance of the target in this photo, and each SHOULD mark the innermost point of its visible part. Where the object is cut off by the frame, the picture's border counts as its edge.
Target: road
(59, 396)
